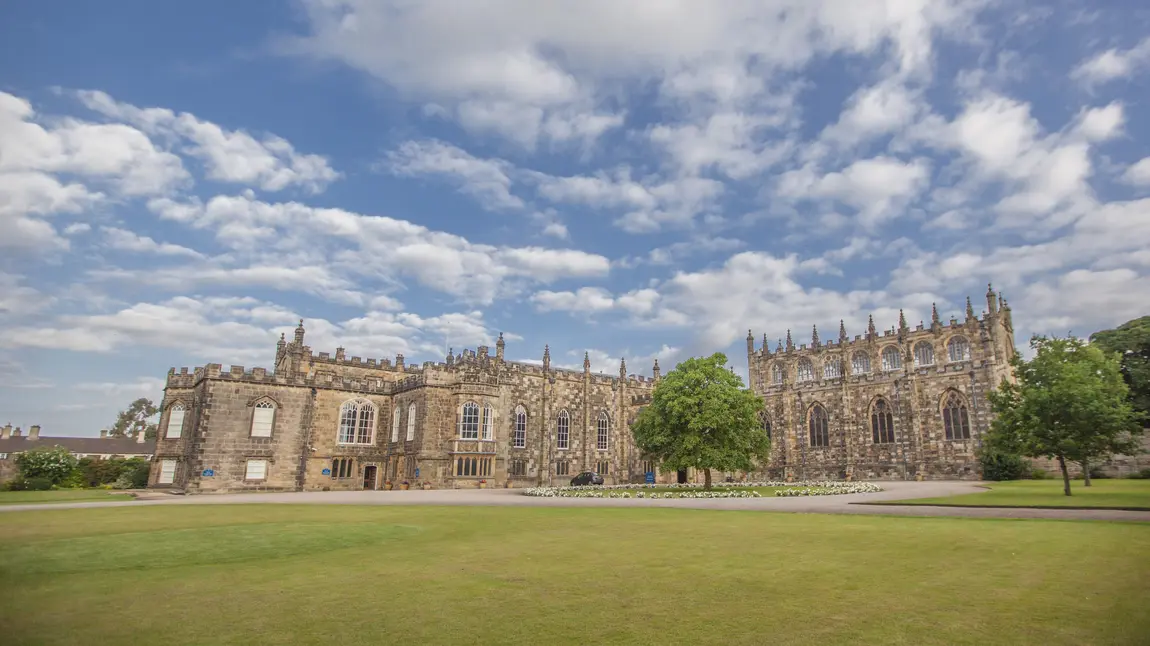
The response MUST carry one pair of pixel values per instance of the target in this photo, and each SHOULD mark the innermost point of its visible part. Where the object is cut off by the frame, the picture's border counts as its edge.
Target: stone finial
(546, 357)
(935, 322)
(656, 372)
(451, 356)
(299, 333)
(779, 347)
(586, 361)
(622, 368)
(750, 343)
(281, 344)
(969, 310)
(871, 333)
(790, 343)
(903, 330)
(842, 332)
(814, 336)
(500, 344)
(991, 302)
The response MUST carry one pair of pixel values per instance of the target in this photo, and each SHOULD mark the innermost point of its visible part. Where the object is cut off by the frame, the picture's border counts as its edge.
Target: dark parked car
(586, 478)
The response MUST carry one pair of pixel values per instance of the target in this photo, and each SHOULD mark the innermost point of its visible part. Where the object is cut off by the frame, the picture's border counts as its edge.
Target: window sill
(355, 443)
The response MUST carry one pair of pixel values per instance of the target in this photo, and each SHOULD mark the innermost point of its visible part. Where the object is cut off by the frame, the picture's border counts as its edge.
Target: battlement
(186, 378)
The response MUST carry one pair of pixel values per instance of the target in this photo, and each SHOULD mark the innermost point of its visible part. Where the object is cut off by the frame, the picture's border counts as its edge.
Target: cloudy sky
(181, 182)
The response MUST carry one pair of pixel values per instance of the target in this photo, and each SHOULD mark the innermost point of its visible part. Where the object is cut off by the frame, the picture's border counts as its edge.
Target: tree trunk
(1085, 473)
(1065, 475)
(707, 479)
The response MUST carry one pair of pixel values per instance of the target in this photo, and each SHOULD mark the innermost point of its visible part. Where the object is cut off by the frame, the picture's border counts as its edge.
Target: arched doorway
(369, 476)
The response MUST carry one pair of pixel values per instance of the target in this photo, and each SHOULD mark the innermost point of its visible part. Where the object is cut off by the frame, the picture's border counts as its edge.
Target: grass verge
(309, 574)
(1102, 494)
(61, 495)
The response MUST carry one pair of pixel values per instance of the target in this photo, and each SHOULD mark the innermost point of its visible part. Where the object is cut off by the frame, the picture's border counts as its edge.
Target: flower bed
(718, 490)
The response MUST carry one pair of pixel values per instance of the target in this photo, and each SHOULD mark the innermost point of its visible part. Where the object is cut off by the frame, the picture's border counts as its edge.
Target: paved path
(509, 497)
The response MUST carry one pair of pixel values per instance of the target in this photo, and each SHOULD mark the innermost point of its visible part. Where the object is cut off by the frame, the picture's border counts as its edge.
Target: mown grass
(1102, 494)
(287, 574)
(61, 495)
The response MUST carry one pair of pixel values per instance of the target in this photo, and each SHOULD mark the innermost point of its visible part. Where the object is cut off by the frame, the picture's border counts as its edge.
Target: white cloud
(878, 188)
(585, 299)
(1101, 124)
(270, 163)
(124, 240)
(150, 387)
(1113, 64)
(486, 180)
(1138, 173)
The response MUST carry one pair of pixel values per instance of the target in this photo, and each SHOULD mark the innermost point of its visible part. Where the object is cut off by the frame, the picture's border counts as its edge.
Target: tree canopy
(52, 463)
(1070, 403)
(701, 417)
(138, 418)
(1131, 341)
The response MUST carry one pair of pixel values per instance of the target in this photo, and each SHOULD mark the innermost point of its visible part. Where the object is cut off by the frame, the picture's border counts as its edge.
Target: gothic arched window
(891, 360)
(469, 422)
(923, 354)
(563, 430)
(519, 436)
(175, 426)
(958, 349)
(776, 374)
(955, 417)
(356, 422)
(833, 369)
(881, 422)
(411, 422)
(603, 435)
(819, 426)
(766, 423)
(395, 417)
(860, 363)
(263, 415)
(488, 422)
(806, 370)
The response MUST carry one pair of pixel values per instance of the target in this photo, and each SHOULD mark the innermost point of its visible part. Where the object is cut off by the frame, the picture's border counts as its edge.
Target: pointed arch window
(833, 369)
(603, 434)
(263, 416)
(519, 436)
(488, 422)
(958, 349)
(395, 419)
(356, 422)
(563, 430)
(806, 370)
(469, 422)
(819, 426)
(411, 422)
(860, 363)
(881, 422)
(891, 360)
(955, 417)
(175, 426)
(923, 354)
(776, 374)
(766, 423)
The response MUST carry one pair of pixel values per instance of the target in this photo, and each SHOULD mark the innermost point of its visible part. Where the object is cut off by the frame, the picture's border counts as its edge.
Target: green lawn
(1129, 494)
(62, 495)
(280, 574)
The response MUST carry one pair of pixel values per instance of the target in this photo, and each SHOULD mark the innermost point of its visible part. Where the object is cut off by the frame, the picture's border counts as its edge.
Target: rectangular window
(601, 467)
(519, 437)
(341, 468)
(469, 467)
(167, 472)
(411, 422)
(175, 422)
(262, 421)
(257, 470)
(518, 467)
(409, 468)
(561, 468)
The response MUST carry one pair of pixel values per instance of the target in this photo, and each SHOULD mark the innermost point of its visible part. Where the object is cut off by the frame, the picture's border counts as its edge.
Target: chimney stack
(6, 432)
(140, 436)
(103, 434)
(17, 432)
(34, 432)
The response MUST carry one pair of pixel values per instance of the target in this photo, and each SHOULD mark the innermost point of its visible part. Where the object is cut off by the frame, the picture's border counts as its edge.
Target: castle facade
(901, 405)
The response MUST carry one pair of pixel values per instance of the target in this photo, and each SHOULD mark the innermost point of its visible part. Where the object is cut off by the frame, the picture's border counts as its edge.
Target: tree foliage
(55, 464)
(1131, 341)
(701, 417)
(140, 416)
(1070, 403)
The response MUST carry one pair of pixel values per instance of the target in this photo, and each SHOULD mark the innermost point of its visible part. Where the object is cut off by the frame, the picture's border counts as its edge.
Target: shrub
(999, 465)
(1038, 473)
(38, 483)
(1144, 474)
(55, 464)
(133, 476)
(1096, 473)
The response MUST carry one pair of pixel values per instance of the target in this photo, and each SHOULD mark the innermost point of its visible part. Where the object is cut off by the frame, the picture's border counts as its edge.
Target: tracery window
(356, 422)
(833, 369)
(342, 468)
(395, 418)
(411, 422)
(488, 422)
(776, 374)
(175, 426)
(518, 468)
(923, 354)
(891, 359)
(603, 436)
(602, 467)
(860, 363)
(806, 370)
(563, 430)
(955, 417)
(562, 468)
(469, 422)
(881, 423)
(263, 414)
(958, 349)
(819, 426)
(519, 436)
(766, 424)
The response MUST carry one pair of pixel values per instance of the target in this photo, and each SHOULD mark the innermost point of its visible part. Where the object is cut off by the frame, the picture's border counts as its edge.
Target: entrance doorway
(369, 477)
(682, 476)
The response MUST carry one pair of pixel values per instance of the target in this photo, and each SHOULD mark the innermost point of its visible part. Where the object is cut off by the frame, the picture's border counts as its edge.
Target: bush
(999, 465)
(55, 464)
(134, 476)
(38, 483)
(1144, 474)
(1096, 473)
(1038, 473)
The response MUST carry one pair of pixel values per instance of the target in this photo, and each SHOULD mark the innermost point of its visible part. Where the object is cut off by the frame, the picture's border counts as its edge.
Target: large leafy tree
(700, 416)
(140, 417)
(53, 463)
(1131, 341)
(1070, 403)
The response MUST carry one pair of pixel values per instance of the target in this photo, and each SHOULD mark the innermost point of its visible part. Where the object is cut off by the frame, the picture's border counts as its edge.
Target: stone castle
(901, 404)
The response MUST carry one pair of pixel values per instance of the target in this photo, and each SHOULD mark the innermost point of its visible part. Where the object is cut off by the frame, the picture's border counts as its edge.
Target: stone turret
(779, 347)
(546, 357)
(340, 353)
(842, 332)
(969, 310)
(750, 343)
(299, 334)
(871, 333)
(790, 344)
(622, 368)
(586, 362)
(991, 302)
(281, 345)
(451, 356)
(656, 372)
(499, 347)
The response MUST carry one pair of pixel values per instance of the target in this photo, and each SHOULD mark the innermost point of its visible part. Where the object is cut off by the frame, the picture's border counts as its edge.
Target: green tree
(1070, 403)
(140, 416)
(1131, 341)
(52, 463)
(700, 416)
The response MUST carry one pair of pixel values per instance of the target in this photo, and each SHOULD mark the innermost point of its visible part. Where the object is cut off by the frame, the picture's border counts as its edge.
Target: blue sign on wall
(326, 472)
(208, 473)
(650, 477)
(416, 472)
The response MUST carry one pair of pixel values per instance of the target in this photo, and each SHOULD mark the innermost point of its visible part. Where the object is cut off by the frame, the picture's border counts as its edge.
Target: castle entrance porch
(369, 476)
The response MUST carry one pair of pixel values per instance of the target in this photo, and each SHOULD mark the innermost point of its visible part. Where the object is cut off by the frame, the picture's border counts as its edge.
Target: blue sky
(181, 182)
